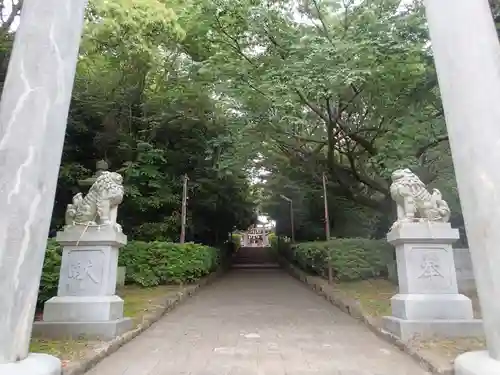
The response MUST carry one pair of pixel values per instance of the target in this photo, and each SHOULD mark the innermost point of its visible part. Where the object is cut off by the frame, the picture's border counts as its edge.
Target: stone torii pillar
(33, 116)
(467, 57)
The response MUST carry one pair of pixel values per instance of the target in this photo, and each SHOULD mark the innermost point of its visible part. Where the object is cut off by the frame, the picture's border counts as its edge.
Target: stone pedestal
(34, 364)
(428, 302)
(120, 277)
(476, 363)
(86, 304)
(465, 274)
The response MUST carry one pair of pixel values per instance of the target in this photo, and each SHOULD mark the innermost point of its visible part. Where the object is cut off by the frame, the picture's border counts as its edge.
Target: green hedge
(50, 273)
(148, 264)
(155, 263)
(350, 258)
(281, 245)
(236, 241)
(273, 241)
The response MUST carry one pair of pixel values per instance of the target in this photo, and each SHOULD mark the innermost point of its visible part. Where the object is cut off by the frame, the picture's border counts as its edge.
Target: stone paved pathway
(257, 322)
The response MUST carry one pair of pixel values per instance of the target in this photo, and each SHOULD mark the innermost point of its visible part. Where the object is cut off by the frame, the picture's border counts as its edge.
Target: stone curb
(353, 308)
(82, 366)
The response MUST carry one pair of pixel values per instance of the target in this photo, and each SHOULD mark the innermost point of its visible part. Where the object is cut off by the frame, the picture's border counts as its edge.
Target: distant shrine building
(258, 235)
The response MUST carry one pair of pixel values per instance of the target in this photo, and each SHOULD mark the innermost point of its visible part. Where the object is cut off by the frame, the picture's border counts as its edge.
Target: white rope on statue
(85, 230)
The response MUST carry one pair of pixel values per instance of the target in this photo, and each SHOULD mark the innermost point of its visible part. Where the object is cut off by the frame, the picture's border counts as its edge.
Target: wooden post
(291, 215)
(184, 209)
(327, 219)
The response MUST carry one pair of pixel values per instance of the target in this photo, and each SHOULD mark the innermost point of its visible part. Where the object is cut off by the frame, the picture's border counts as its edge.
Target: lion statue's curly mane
(413, 200)
(100, 205)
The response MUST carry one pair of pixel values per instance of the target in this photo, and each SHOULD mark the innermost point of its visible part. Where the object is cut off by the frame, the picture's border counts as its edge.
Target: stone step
(253, 255)
(255, 265)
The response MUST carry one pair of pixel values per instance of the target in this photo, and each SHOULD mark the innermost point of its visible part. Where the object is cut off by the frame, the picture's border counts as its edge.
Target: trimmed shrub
(234, 242)
(236, 239)
(155, 263)
(50, 274)
(281, 245)
(148, 264)
(155, 231)
(350, 258)
(273, 241)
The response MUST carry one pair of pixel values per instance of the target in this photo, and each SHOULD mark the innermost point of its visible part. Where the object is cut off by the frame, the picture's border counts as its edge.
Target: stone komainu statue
(414, 202)
(100, 205)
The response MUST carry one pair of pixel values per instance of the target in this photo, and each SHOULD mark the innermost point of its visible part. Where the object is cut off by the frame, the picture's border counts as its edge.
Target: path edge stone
(353, 308)
(80, 367)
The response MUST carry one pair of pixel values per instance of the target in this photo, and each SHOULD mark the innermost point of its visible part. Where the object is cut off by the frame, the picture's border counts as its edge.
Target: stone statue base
(428, 302)
(476, 363)
(34, 364)
(86, 304)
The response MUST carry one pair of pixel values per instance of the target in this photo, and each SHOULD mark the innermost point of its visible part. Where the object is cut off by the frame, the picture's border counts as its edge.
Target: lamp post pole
(327, 218)
(291, 216)
(184, 209)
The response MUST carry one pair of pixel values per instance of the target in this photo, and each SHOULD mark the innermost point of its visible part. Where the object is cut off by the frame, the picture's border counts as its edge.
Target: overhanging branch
(422, 150)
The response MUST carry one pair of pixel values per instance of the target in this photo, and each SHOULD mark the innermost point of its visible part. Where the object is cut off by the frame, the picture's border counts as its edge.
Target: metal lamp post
(291, 215)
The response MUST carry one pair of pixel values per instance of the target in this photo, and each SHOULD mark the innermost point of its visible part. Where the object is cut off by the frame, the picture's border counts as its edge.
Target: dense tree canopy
(227, 91)
(342, 88)
(137, 103)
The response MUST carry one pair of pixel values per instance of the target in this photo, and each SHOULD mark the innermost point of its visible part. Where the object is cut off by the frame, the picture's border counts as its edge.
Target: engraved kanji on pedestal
(84, 275)
(428, 303)
(430, 267)
(86, 304)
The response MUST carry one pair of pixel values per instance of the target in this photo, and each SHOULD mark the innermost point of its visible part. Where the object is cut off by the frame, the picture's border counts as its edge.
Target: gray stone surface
(463, 269)
(258, 322)
(406, 330)
(428, 302)
(431, 306)
(89, 262)
(83, 309)
(34, 364)
(86, 304)
(99, 208)
(469, 80)
(465, 274)
(103, 330)
(392, 272)
(120, 276)
(33, 117)
(100, 167)
(476, 363)
(425, 258)
(423, 232)
(103, 236)
(414, 203)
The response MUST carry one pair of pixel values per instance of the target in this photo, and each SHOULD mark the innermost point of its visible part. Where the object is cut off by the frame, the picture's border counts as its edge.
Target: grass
(138, 302)
(449, 349)
(66, 350)
(373, 295)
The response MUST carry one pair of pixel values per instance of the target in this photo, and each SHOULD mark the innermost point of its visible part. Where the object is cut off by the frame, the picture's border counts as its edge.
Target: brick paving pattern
(257, 322)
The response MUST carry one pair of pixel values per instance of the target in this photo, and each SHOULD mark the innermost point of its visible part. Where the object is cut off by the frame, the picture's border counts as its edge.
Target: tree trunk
(386, 219)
